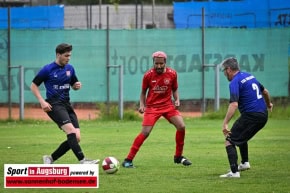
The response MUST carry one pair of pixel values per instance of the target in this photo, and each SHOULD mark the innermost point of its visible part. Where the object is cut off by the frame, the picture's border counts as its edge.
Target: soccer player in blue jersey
(58, 77)
(251, 98)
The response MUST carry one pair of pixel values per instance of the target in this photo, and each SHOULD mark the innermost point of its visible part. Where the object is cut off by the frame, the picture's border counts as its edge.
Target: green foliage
(220, 114)
(111, 112)
(155, 171)
(280, 111)
(281, 108)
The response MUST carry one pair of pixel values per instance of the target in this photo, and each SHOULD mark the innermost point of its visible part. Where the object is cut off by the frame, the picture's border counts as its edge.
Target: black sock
(244, 152)
(60, 151)
(74, 145)
(233, 157)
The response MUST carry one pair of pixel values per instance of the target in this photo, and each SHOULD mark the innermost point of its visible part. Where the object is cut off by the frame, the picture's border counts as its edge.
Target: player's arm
(266, 96)
(35, 90)
(176, 98)
(75, 83)
(142, 101)
(175, 92)
(230, 113)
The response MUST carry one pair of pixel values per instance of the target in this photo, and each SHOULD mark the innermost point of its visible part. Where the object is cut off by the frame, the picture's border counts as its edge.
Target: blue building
(232, 13)
(39, 17)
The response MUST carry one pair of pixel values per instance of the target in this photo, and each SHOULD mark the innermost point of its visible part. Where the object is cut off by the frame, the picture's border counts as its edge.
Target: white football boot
(244, 166)
(88, 161)
(47, 159)
(231, 175)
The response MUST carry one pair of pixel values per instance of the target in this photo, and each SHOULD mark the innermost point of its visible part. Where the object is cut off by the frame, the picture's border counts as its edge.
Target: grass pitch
(155, 172)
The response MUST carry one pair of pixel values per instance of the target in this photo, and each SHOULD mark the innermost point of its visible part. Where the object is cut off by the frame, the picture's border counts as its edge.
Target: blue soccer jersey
(57, 80)
(247, 91)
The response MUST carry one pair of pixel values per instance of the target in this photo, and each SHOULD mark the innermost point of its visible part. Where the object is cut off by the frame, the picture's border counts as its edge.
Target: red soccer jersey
(159, 87)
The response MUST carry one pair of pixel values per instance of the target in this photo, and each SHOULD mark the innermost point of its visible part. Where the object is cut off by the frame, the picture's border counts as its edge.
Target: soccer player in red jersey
(158, 86)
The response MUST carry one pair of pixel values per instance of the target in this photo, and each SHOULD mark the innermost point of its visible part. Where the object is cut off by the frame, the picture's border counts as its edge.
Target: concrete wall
(123, 17)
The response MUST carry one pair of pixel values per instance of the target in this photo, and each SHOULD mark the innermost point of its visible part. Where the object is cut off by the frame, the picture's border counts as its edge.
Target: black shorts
(246, 126)
(63, 113)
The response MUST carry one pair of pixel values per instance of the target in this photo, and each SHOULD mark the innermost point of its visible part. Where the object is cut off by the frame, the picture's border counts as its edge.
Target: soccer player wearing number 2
(252, 100)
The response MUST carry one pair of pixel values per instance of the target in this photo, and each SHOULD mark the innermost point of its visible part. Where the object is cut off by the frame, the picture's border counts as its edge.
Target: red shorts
(151, 114)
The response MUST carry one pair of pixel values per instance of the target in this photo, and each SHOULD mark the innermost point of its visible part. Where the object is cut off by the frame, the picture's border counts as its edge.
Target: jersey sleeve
(41, 76)
(262, 88)
(74, 78)
(234, 91)
(145, 82)
(175, 82)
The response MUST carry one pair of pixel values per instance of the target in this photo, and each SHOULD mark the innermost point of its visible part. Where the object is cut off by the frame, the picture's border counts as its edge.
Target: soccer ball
(110, 165)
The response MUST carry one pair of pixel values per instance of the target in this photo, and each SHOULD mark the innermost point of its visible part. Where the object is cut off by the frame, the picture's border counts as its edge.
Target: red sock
(136, 146)
(179, 140)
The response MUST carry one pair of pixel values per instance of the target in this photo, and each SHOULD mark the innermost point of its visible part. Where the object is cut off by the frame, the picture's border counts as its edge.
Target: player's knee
(78, 136)
(146, 133)
(180, 127)
(146, 130)
(227, 143)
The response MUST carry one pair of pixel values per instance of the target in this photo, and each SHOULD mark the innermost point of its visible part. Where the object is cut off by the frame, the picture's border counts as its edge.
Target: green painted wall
(263, 52)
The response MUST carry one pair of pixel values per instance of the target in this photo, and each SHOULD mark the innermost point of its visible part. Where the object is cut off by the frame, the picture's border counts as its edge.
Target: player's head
(230, 67)
(63, 53)
(231, 63)
(63, 48)
(159, 61)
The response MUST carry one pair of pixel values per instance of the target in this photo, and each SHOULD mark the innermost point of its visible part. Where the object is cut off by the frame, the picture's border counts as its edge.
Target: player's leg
(60, 151)
(177, 121)
(234, 138)
(174, 117)
(67, 122)
(244, 152)
(61, 116)
(63, 148)
(57, 114)
(149, 121)
(255, 122)
(74, 120)
(233, 161)
(72, 141)
(138, 141)
(245, 164)
(75, 128)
